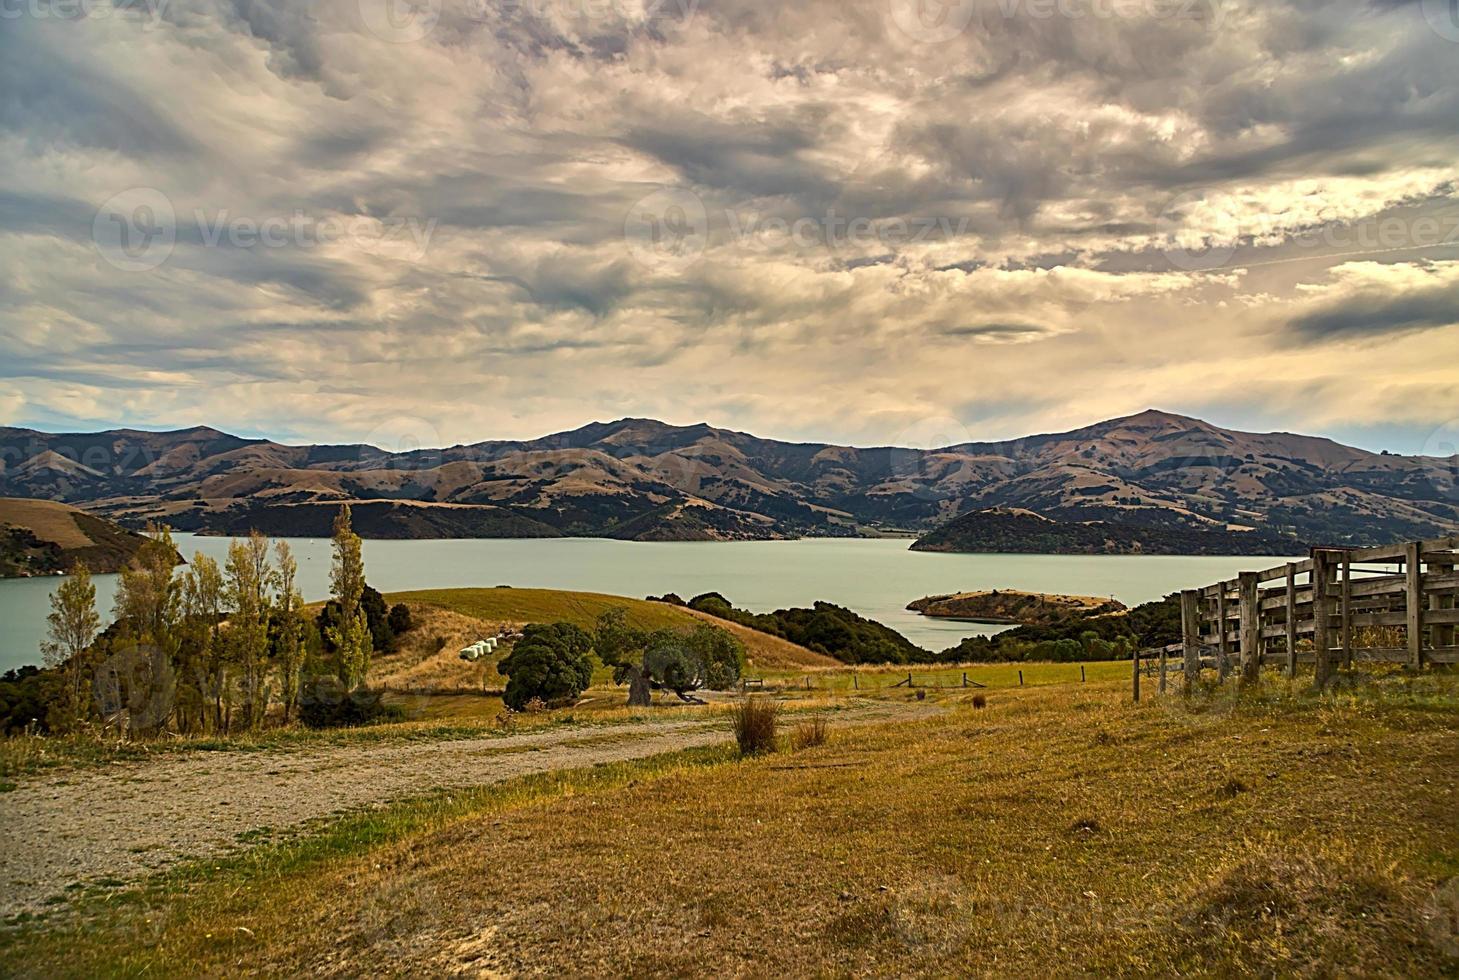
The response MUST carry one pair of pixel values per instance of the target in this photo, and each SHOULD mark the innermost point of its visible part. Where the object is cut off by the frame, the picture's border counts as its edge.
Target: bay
(876, 577)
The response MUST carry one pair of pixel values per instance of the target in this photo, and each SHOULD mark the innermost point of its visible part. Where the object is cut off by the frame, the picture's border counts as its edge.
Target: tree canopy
(550, 662)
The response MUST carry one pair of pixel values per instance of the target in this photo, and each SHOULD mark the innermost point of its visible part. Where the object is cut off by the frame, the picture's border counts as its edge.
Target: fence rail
(1330, 609)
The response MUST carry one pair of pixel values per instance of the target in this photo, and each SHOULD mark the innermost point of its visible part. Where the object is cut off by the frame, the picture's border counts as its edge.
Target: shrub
(755, 722)
(327, 704)
(377, 618)
(550, 663)
(399, 619)
(809, 734)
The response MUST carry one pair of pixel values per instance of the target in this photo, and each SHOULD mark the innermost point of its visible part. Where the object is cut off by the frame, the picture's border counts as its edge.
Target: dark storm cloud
(50, 99)
(1371, 316)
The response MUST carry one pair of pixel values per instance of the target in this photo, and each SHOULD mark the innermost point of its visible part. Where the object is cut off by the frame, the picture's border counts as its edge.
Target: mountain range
(645, 480)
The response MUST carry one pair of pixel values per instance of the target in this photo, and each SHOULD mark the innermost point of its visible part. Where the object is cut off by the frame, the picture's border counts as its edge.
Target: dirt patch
(119, 825)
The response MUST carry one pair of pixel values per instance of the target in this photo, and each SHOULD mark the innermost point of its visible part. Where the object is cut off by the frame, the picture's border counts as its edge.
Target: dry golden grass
(48, 520)
(1061, 830)
(429, 656)
(495, 607)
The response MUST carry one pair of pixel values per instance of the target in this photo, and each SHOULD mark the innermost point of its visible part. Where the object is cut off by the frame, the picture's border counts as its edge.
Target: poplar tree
(73, 626)
(138, 676)
(288, 607)
(249, 582)
(351, 635)
(202, 659)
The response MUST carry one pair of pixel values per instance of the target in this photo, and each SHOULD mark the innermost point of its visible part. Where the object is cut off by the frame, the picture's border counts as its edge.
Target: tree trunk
(640, 695)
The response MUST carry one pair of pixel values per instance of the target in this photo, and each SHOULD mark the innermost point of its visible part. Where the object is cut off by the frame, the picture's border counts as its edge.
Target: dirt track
(126, 821)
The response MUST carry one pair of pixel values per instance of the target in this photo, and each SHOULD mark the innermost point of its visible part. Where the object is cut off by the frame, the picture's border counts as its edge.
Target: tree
(672, 660)
(200, 655)
(620, 646)
(351, 636)
(147, 598)
(250, 578)
(205, 665)
(288, 634)
(73, 625)
(136, 683)
(684, 662)
(550, 662)
(399, 619)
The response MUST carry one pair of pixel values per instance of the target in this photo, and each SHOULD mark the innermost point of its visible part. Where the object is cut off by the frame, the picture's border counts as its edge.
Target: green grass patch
(548, 606)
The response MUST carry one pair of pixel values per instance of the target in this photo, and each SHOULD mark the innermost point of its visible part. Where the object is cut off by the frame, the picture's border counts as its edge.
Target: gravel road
(119, 824)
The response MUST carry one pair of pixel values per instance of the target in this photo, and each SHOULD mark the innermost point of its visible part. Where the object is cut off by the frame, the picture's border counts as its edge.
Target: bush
(550, 663)
(755, 721)
(809, 734)
(27, 695)
(399, 619)
(377, 618)
(326, 704)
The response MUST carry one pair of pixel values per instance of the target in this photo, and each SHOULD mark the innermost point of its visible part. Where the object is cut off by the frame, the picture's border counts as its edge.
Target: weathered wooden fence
(1326, 610)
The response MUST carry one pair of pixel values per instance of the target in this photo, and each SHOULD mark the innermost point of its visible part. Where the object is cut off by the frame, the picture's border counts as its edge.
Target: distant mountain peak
(1154, 469)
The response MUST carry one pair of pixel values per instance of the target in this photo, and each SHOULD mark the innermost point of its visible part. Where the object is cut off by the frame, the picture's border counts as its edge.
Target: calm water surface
(875, 577)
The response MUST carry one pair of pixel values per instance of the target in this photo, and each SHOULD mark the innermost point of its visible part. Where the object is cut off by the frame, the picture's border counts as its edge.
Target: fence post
(1020, 678)
(1443, 636)
(1321, 611)
(965, 678)
(1223, 645)
(1190, 635)
(1250, 627)
(1081, 674)
(1163, 652)
(1135, 674)
(1291, 619)
(1413, 555)
(1347, 610)
(855, 684)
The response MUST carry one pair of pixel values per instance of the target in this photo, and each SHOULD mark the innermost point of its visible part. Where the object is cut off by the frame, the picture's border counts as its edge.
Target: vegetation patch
(899, 849)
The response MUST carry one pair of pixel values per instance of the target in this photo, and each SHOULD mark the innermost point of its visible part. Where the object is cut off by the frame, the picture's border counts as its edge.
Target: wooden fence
(1340, 606)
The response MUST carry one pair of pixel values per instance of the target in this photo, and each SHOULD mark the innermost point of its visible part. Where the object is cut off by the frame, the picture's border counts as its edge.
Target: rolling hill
(1001, 530)
(39, 537)
(640, 479)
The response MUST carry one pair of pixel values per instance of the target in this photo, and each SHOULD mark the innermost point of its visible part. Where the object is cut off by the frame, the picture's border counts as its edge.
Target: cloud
(887, 223)
(1369, 300)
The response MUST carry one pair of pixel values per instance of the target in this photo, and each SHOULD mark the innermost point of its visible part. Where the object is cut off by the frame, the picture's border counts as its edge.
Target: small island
(1015, 608)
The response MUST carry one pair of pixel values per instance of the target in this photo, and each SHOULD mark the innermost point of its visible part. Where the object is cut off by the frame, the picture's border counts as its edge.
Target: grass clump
(755, 721)
(810, 733)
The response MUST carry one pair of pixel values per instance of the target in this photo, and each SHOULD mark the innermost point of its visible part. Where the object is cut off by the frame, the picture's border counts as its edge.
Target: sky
(911, 222)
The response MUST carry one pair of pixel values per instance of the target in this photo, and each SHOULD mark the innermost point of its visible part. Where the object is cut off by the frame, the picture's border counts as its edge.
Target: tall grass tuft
(811, 733)
(755, 721)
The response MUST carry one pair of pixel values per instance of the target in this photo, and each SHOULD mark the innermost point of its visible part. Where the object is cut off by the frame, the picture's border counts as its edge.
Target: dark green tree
(551, 662)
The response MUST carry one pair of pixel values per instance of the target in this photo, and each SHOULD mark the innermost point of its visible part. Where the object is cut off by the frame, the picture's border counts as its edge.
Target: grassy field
(583, 609)
(1061, 829)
